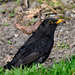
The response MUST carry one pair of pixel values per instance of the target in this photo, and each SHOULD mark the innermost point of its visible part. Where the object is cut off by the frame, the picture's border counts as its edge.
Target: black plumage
(38, 47)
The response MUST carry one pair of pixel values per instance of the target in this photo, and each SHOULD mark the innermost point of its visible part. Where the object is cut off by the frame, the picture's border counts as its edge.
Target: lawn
(66, 67)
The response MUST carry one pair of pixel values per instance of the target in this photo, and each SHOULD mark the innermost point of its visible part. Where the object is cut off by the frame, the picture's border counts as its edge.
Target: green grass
(8, 42)
(40, 1)
(64, 17)
(12, 14)
(72, 5)
(63, 45)
(34, 20)
(63, 68)
(2, 11)
(18, 1)
(6, 24)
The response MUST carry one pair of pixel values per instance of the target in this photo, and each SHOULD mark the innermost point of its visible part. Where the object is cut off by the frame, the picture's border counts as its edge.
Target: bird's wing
(30, 52)
(27, 43)
(33, 51)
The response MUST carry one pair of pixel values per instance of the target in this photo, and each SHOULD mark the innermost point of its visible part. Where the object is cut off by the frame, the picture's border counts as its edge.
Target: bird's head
(49, 25)
(51, 22)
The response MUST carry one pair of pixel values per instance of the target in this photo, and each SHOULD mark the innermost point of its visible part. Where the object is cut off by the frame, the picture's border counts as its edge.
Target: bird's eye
(50, 21)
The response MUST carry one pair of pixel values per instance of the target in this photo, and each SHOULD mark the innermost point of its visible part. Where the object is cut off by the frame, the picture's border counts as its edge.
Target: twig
(26, 3)
(49, 6)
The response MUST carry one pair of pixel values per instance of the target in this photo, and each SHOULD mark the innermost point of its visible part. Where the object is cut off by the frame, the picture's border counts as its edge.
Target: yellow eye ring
(50, 21)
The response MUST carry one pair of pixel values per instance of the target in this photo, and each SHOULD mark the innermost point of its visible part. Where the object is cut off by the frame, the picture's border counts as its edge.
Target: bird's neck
(42, 32)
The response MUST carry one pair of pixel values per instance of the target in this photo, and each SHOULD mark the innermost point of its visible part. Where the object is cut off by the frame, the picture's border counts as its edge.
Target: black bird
(38, 47)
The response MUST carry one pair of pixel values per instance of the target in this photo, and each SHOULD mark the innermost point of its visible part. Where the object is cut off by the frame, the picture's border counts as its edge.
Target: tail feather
(7, 66)
(12, 64)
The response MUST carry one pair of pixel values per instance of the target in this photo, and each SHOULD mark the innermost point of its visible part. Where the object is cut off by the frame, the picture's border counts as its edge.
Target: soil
(11, 39)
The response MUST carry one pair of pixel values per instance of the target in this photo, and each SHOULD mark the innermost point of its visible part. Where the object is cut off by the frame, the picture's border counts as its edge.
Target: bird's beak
(59, 21)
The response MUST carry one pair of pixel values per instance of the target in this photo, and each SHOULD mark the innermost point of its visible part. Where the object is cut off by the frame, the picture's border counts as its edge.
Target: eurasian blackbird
(38, 47)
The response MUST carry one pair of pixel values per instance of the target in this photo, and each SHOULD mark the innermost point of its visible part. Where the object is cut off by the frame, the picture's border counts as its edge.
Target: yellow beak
(59, 21)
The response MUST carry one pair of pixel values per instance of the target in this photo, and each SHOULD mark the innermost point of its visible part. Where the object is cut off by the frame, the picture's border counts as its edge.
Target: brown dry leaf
(28, 29)
(8, 58)
(23, 6)
(30, 16)
(32, 13)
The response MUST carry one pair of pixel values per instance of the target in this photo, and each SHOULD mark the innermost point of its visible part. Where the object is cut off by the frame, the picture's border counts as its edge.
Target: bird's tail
(7, 66)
